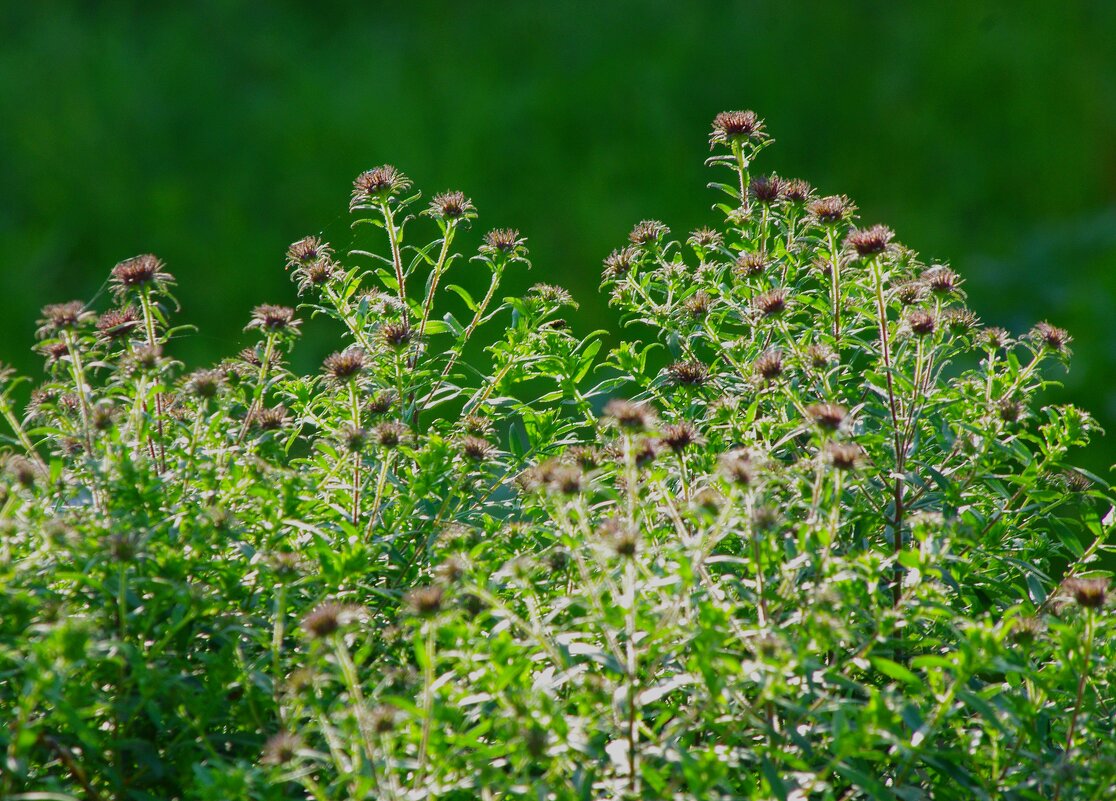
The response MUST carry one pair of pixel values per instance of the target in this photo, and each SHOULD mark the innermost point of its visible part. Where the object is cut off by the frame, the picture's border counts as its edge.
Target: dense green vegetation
(809, 530)
(213, 134)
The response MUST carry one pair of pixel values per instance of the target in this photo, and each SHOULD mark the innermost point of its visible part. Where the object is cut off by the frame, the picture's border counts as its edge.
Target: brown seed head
(139, 271)
(941, 280)
(451, 206)
(922, 323)
(62, 317)
(796, 191)
(345, 365)
(910, 292)
(765, 189)
(679, 436)
(749, 264)
(735, 126)
(771, 303)
(769, 365)
(691, 373)
(648, 231)
(281, 748)
(831, 210)
(629, 416)
(377, 185)
(381, 402)
(620, 262)
(1090, 593)
(396, 335)
(118, 323)
(505, 241)
(425, 601)
(324, 620)
(308, 250)
(475, 448)
(698, 304)
(391, 434)
(704, 239)
(996, 338)
(869, 241)
(1050, 337)
(270, 418)
(270, 318)
(844, 455)
(829, 416)
(738, 468)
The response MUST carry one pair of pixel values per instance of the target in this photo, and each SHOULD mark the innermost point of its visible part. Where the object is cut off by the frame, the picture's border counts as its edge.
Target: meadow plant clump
(810, 533)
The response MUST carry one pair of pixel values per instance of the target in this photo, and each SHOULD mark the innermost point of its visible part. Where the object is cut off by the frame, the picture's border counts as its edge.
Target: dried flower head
(475, 448)
(552, 294)
(996, 338)
(118, 323)
(844, 455)
(769, 365)
(623, 541)
(922, 323)
(58, 317)
(281, 748)
(796, 191)
(1050, 337)
(771, 303)
(704, 239)
(22, 469)
(308, 250)
(941, 280)
(54, 351)
(391, 434)
(325, 619)
(647, 232)
(679, 436)
(425, 601)
(1090, 593)
(629, 416)
(396, 335)
(505, 241)
(451, 207)
(381, 402)
(869, 241)
(345, 365)
(619, 262)
(735, 126)
(765, 189)
(820, 355)
(698, 304)
(270, 318)
(749, 264)
(139, 272)
(377, 185)
(831, 210)
(737, 467)
(269, 418)
(383, 719)
(1010, 409)
(828, 416)
(910, 292)
(353, 438)
(960, 320)
(1025, 630)
(690, 373)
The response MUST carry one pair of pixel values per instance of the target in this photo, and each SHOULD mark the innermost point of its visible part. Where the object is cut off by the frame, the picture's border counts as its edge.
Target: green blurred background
(214, 133)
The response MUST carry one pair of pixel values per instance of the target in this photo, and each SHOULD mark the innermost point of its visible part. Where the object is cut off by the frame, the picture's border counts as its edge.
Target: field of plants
(810, 530)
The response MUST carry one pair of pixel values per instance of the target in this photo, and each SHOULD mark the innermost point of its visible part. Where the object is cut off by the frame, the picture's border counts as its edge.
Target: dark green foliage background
(214, 133)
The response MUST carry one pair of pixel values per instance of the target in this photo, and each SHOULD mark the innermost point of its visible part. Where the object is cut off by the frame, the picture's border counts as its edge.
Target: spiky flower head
(451, 207)
(619, 262)
(941, 280)
(425, 601)
(679, 436)
(139, 272)
(1050, 337)
(58, 317)
(704, 239)
(872, 241)
(381, 402)
(735, 126)
(270, 318)
(765, 189)
(1090, 593)
(345, 365)
(307, 251)
(378, 185)
(844, 455)
(688, 373)
(325, 619)
(828, 416)
(629, 416)
(269, 418)
(118, 323)
(281, 748)
(396, 335)
(476, 449)
(796, 191)
(921, 322)
(769, 365)
(737, 467)
(771, 303)
(504, 242)
(749, 264)
(391, 434)
(831, 210)
(647, 232)
(698, 304)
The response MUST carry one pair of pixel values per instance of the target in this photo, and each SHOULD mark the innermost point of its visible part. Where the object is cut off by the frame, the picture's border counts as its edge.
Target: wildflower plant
(808, 533)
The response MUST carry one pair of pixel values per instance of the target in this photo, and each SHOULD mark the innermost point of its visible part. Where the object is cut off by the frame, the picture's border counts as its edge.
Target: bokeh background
(214, 133)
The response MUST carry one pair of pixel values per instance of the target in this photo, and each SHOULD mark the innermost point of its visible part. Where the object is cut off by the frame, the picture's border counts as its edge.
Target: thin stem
(1082, 678)
(427, 701)
(396, 258)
